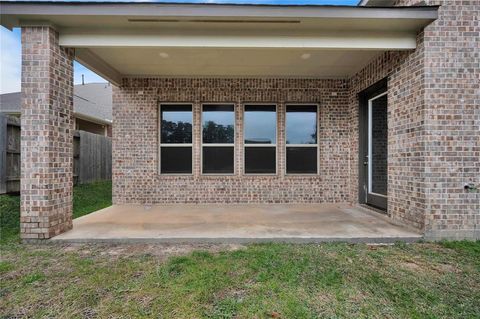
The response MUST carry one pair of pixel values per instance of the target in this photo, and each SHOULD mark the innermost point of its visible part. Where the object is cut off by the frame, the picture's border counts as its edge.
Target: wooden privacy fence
(9, 154)
(92, 156)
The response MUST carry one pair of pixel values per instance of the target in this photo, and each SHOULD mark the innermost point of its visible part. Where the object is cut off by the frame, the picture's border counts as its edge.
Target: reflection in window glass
(379, 145)
(218, 122)
(176, 139)
(176, 124)
(218, 127)
(260, 124)
(301, 139)
(260, 130)
(301, 124)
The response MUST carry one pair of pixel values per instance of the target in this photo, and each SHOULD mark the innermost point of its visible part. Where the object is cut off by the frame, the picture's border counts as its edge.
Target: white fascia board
(211, 10)
(377, 3)
(334, 40)
(92, 119)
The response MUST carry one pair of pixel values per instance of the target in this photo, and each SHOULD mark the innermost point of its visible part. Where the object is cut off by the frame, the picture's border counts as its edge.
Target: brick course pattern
(434, 123)
(46, 138)
(433, 118)
(135, 142)
(452, 119)
(404, 71)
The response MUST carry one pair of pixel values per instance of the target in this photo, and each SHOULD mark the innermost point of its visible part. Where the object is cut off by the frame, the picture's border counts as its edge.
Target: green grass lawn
(256, 281)
(87, 198)
(423, 280)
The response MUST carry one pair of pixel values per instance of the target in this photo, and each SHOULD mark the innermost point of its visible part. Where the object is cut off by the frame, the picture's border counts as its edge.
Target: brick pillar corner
(47, 135)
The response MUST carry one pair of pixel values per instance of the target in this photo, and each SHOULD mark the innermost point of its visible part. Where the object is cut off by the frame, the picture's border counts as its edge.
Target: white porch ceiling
(235, 62)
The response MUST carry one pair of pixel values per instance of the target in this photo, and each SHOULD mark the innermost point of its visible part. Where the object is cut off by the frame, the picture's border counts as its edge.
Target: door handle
(365, 163)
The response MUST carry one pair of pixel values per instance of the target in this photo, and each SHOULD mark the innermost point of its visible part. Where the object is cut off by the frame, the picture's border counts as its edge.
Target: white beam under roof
(246, 39)
(119, 40)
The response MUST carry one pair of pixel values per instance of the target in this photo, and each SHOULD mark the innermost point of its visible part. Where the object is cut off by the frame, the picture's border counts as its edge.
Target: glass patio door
(377, 151)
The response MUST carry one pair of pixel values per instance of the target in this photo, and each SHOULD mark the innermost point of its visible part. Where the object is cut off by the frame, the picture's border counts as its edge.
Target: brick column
(47, 135)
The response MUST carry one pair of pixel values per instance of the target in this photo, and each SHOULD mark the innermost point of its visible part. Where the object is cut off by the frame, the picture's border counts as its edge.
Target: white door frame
(370, 162)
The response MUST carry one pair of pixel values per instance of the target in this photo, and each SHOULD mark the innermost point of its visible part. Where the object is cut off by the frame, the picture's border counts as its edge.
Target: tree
(176, 132)
(218, 133)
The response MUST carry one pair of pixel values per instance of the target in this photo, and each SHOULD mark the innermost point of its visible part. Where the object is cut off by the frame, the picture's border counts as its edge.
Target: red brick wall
(404, 70)
(434, 123)
(452, 121)
(434, 132)
(46, 138)
(135, 142)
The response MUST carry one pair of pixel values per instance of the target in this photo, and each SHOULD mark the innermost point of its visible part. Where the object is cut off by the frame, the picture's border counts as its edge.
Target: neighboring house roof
(91, 101)
(10, 103)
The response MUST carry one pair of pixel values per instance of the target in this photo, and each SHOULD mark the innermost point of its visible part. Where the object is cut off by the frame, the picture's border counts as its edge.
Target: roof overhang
(218, 40)
(93, 119)
(377, 3)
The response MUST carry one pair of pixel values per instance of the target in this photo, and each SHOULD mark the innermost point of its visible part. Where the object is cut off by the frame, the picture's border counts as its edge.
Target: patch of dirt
(161, 251)
(235, 293)
(446, 268)
(416, 266)
(410, 265)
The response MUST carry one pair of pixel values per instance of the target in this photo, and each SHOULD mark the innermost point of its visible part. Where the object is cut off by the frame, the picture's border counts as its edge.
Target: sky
(10, 46)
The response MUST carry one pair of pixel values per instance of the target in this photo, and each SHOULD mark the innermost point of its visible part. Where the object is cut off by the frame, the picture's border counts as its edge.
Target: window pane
(301, 160)
(301, 124)
(176, 123)
(260, 124)
(260, 160)
(217, 160)
(379, 145)
(176, 160)
(218, 123)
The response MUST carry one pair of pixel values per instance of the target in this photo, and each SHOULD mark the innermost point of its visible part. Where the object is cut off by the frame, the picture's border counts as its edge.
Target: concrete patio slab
(236, 224)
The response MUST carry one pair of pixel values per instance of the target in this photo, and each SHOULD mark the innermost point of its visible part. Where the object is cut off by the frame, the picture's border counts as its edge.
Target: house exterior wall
(136, 178)
(434, 124)
(47, 135)
(452, 119)
(433, 119)
(404, 73)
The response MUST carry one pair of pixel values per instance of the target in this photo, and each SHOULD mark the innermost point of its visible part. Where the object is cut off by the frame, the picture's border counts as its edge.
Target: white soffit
(232, 62)
(128, 39)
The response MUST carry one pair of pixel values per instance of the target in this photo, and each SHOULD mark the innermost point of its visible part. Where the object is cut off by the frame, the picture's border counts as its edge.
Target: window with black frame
(260, 139)
(218, 138)
(176, 122)
(301, 139)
